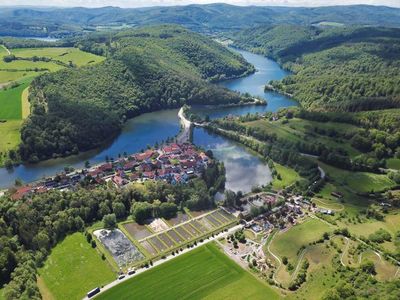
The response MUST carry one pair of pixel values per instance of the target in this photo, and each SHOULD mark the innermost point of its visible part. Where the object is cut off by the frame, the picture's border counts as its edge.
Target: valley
(202, 152)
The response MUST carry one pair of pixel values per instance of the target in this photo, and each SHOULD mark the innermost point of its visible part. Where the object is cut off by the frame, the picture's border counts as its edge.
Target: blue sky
(142, 3)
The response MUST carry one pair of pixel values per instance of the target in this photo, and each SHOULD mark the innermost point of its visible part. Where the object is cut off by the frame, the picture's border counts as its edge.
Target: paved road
(161, 261)
(276, 257)
(184, 134)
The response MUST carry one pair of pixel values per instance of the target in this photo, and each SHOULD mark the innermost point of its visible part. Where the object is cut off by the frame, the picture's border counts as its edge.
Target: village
(262, 215)
(174, 163)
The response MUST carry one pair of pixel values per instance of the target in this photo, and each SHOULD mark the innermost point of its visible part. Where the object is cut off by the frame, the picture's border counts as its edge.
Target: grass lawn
(289, 242)
(393, 163)
(204, 273)
(78, 57)
(8, 76)
(391, 224)
(299, 130)
(72, 269)
(10, 102)
(384, 269)
(9, 133)
(320, 274)
(358, 181)
(288, 177)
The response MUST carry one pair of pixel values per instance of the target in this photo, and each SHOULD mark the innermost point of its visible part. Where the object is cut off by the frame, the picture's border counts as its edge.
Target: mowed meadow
(15, 78)
(204, 273)
(72, 269)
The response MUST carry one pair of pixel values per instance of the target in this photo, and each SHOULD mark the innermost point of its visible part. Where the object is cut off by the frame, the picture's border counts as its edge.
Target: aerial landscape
(199, 150)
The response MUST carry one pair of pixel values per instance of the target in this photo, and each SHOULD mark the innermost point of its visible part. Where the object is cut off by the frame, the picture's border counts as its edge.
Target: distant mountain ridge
(209, 18)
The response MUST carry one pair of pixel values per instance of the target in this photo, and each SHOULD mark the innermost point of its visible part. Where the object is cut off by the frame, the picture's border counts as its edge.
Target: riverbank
(269, 87)
(257, 102)
(156, 127)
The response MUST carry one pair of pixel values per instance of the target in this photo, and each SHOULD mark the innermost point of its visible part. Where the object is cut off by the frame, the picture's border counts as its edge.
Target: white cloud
(143, 3)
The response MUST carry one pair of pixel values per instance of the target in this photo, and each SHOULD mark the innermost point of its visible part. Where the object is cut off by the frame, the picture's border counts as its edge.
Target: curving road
(184, 135)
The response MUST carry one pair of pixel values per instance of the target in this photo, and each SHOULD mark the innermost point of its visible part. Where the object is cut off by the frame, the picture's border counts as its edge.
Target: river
(244, 168)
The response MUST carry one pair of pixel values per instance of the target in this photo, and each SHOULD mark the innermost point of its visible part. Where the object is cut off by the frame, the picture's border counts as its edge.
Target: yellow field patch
(26, 106)
(44, 291)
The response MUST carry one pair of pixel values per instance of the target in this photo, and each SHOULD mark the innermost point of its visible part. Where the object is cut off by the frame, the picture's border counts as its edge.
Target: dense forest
(210, 18)
(334, 68)
(30, 228)
(146, 69)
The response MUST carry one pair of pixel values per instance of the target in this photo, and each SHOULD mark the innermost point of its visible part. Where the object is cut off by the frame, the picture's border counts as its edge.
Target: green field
(72, 269)
(320, 275)
(288, 177)
(289, 242)
(10, 102)
(13, 101)
(299, 130)
(78, 57)
(204, 273)
(10, 137)
(20, 69)
(358, 181)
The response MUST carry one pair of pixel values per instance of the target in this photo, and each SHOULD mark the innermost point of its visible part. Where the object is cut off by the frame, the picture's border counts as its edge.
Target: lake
(244, 168)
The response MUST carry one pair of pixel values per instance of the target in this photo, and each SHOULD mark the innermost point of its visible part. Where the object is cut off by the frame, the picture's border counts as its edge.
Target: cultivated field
(204, 273)
(168, 237)
(73, 268)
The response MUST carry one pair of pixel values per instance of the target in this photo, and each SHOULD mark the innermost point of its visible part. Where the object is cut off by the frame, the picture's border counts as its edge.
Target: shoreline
(256, 102)
(269, 87)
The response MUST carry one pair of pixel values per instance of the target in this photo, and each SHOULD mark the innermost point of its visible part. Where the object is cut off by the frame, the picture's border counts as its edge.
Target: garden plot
(221, 218)
(149, 248)
(166, 239)
(120, 247)
(198, 213)
(227, 215)
(175, 236)
(191, 229)
(180, 218)
(137, 231)
(206, 223)
(213, 220)
(184, 233)
(158, 225)
(157, 244)
(199, 227)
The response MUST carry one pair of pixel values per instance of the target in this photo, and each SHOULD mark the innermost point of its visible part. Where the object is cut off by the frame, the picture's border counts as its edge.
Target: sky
(145, 3)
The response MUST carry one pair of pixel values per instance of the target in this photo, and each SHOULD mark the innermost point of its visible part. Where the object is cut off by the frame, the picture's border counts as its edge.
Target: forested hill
(30, 21)
(335, 68)
(145, 70)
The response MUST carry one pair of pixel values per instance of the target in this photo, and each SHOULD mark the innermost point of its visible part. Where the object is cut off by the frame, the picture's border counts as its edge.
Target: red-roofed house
(21, 192)
(118, 181)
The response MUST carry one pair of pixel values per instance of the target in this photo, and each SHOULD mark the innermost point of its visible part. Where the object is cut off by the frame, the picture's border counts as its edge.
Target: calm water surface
(244, 169)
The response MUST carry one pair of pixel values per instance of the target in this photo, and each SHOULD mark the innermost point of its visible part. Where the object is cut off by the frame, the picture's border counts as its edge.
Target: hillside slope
(28, 21)
(336, 69)
(146, 70)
